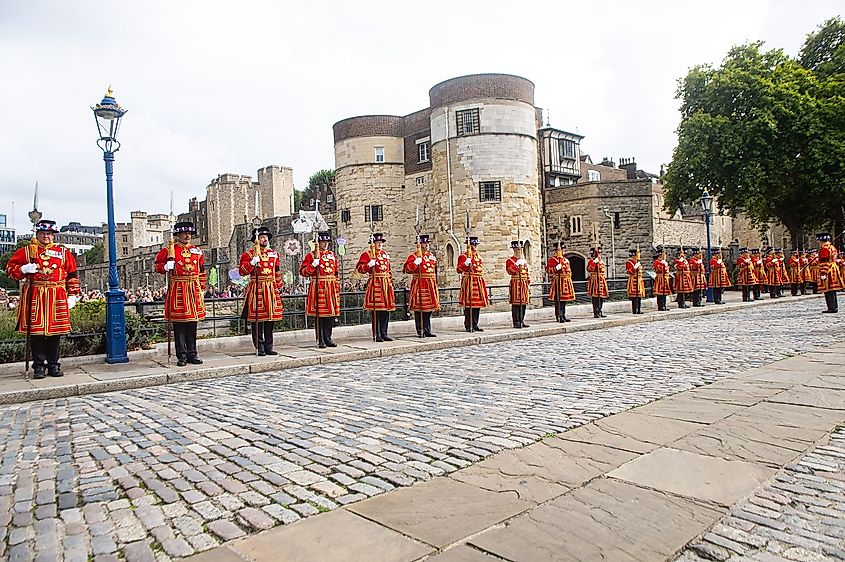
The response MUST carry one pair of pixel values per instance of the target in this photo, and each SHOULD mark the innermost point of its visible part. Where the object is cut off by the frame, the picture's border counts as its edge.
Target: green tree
(824, 51)
(94, 254)
(766, 136)
(5, 281)
(323, 177)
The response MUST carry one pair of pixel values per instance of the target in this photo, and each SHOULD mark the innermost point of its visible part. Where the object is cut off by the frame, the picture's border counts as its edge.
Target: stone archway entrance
(579, 267)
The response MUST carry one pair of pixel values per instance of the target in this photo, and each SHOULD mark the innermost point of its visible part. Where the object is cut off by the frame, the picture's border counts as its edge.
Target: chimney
(608, 162)
(630, 166)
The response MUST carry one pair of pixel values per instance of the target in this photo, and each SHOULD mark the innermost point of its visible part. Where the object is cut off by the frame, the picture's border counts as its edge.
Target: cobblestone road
(167, 471)
(799, 516)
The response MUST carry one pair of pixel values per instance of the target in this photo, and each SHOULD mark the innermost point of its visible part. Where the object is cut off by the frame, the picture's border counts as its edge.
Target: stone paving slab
(693, 475)
(769, 413)
(441, 511)
(605, 520)
(812, 396)
(340, 535)
(463, 553)
(630, 431)
(688, 408)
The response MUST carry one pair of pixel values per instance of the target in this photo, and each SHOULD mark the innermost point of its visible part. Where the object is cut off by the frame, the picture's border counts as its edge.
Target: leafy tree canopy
(323, 177)
(765, 133)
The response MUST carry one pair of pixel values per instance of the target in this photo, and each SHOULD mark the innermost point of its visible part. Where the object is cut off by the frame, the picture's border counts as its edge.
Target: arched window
(526, 251)
(450, 255)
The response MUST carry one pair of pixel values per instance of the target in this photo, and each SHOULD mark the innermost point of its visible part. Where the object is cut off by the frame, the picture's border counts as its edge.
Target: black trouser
(597, 304)
(382, 320)
(717, 295)
(794, 289)
(324, 329)
(815, 287)
(696, 297)
(560, 311)
(746, 293)
(45, 354)
(185, 338)
(830, 299)
(471, 316)
(518, 315)
(661, 302)
(803, 287)
(682, 300)
(422, 321)
(636, 304)
(262, 336)
(758, 293)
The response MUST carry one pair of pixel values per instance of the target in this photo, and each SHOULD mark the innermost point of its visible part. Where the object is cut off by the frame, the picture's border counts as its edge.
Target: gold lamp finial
(109, 92)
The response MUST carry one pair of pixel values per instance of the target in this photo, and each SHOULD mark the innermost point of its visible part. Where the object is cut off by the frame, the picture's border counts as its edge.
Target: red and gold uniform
(597, 282)
(759, 273)
(636, 286)
(184, 305)
(745, 278)
(50, 290)
(379, 297)
(719, 279)
(423, 297)
(698, 274)
(784, 271)
(683, 279)
(519, 292)
(184, 302)
(473, 288)
(813, 270)
(561, 288)
(774, 274)
(796, 272)
(262, 301)
(323, 300)
(662, 281)
(829, 274)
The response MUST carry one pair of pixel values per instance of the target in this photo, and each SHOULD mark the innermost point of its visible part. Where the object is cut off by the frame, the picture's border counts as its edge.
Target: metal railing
(223, 315)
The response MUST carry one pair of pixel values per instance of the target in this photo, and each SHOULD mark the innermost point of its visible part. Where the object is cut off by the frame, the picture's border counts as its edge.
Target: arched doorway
(526, 251)
(579, 267)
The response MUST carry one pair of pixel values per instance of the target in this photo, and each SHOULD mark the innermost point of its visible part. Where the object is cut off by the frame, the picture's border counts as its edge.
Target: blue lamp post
(108, 114)
(707, 207)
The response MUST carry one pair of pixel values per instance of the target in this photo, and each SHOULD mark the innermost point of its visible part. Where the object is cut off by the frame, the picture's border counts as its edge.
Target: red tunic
(662, 281)
(636, 287)
(473, 287)
(719, 273)
(745, 272)
(324, 290)
(796, 275)
(698, 273)
(760, 271)
(561, 287)
(519, 290)
(185, 302)
(597, 284)
(683, 279)
(267, 276)
(784, 273)
(829, 274)
(773, 272)
(813, 269)
(423, 295)
(48, 288)
(379, 295)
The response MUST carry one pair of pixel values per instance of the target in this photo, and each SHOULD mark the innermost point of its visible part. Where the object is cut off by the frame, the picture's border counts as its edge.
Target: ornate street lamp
(108, 114)
(707, 207)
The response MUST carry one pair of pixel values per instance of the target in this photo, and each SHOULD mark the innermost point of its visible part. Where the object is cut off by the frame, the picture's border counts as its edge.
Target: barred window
(489, 191)
(567, 149)
(422, 148)
(575, 226)
(346, 215)
(373, 213)
(468, 122)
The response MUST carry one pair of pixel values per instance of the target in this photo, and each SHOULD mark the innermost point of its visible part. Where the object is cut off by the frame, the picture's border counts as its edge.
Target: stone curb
(97, 387)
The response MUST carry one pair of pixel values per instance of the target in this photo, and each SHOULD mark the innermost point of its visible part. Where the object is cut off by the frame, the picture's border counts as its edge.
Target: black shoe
(602, 315)
(321, 345)
(180, 363)
(420, 335)
(477, 329)
(429, 335)
(596, 315)
(379, 340)
(517, 326)
(721, 302)
(467, 330)
(565, 319)
(271, 352)
(260, 353)
(55, 372)
(827, 311)
(194, 360)
(386, 338)
(524, 325)
(330, 343)
(38, 374)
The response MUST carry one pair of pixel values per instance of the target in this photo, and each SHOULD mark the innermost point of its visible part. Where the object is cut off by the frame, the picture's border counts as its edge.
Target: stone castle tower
(473, 152)
(230, 198)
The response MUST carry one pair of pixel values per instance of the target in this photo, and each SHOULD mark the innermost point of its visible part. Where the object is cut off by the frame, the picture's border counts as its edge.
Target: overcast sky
(231, 86)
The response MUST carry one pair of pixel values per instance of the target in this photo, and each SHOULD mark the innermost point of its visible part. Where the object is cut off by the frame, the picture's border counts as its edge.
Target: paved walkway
(227, 356)
(638, 485)
(178, 469)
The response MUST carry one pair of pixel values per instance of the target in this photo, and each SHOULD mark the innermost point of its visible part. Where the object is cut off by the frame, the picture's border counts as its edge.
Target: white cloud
(219, 86)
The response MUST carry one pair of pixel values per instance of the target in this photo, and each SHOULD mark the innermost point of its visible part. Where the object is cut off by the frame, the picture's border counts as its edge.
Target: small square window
(379, 154)
(593, 175)
(422, 149)
(467, 122)
(421, 180)
(489, 191)
(373, 213)
(346, 215)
